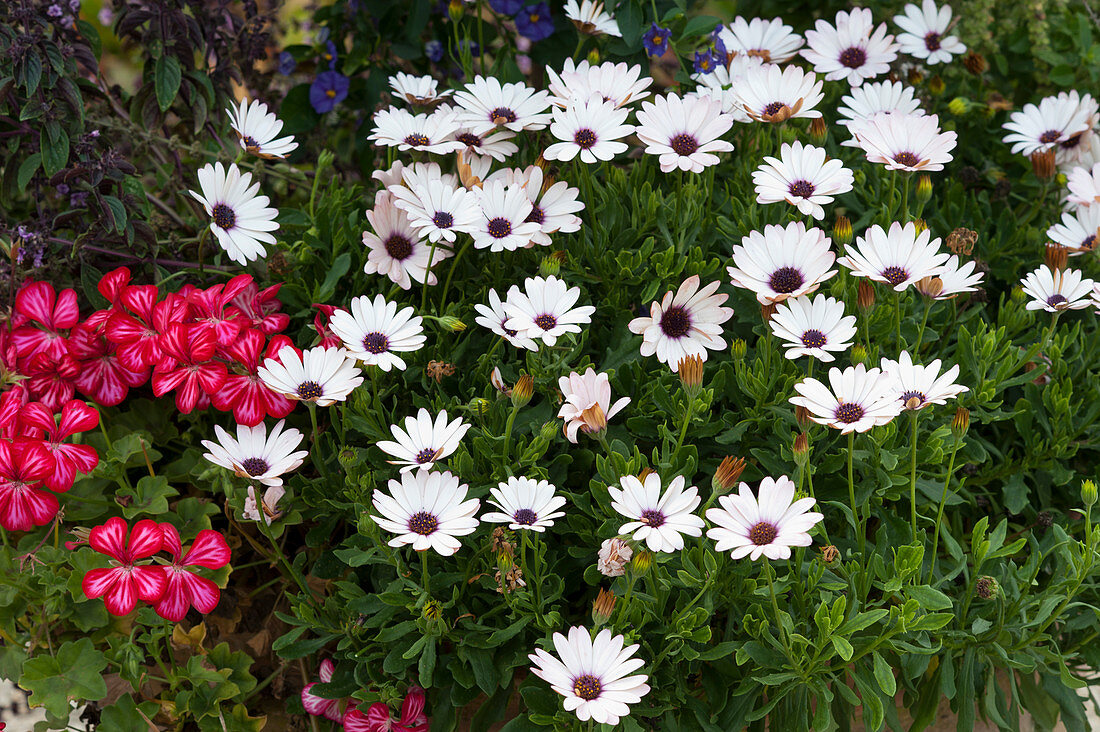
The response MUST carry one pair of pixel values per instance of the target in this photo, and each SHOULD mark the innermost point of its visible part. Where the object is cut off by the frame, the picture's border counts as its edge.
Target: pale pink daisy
(586, 398)
(769, 524)
(782, 262)
(684, 132)
(684, 323)
(590, 18)
(660, 519)
(1084, 186)
(486, 104)
(852, 48)
(493, 317)
(925, 31)
(1078, 231)
(898, 257)
(916, 386)
(859, 399)
(770, 93)
(1055, 121)
(395, 248)
(907, 142)
(1056, 290)
(618, 84)
(770, 40)
(404, 130)
(813, 327)
(503, 224)
(546, 309)
(802, 177)
(589, 128)
(427, 511)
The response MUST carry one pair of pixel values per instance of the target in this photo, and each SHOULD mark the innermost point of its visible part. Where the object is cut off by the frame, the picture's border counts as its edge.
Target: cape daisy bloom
(684, 132)
(813, 328)
(873, 98)
(591, 19)
(553, 207)
(486, 104)
(911, 142)
(525, 504)
(684, 323)
(259, 130)
(1056, 290)
(125, 582)
(767, 524)
(956, 278)
(400, 128)
(916, 386)
(424, 441)
(659, 519)
(437, 210)
(770, 93)
(770, 40)
(590, 128)
(395, 248)
(859, 399)
(586, 402)
(419, 90)
(782, 262)
(1080, 149)
(241, 220)
(898, 257)
(619, 83)
(493, 316)
(1084, 186)
(925, 33)
(183, 587)
(593, 675)
(851, 49)
(255, 454)
(546, 309)
(497, 145)
(426, 510)
(321, 376)
(1078, 230)
(375, 331)
(724, 82)
(503, 223)
(1056, 120)
(802, 177)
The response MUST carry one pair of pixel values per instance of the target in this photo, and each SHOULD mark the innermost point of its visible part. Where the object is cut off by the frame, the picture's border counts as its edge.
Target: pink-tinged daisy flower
(593, 675)
(395, 248)
(258, 130)
(1084, 186)
(125, 582)
(419, 90)
(659, 519)
(898, 258)
(424, 441)
(376, 331)
(782, 262)
(437, 210)
(1056, 290)
(318, 706)
(618, 84)
(813, 328)
(924, 33)
(852, 49)
(404, 130)
(525, 504)
(183, 587)
(591, 19)
(553, 207)
(426, 510)
(905, 141)
(379, 719)
(591, 129)
(860, 399)
(483, 148)
(503, 224)
(266, 508)
(1078, 231)
(255, 454)
(586, 402)
(1055, 121)
(875, 98)
(321, 376)
(684, 323)
(802, 177)
(412, 175)
(770, 93)
(723, 83)
(486, 105)
(25, 465)
(241, 220)
(684, 132)
(546, 309)
(770, 40)
(1080, 149)
(493, 317)
(955, 279)
(768, 525)
(916, 386)
(613, 557)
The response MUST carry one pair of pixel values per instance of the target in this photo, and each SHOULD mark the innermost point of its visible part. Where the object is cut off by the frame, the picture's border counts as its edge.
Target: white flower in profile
(723, 83)
(1081, 149)
(590, 128)
(1056, 290)
(684, 323)
(426, 510)
(874, 98)
(1084, 186)
(898, 258)
(503, 223)
(813, 328)
(859, 399)
(591, 19)
(618, 83)
(495, 145)
(1078, 231)
(493, 317)
(553, 209)
(412, 175)
(770, 93)
(259, 130)
(436, 210)
(420, 90)
(395, 248)
(267, 508)
(321, 376)
(917, 387)
(659, 519)
(908, 142)
(852, 48)
(586, 402)
(400, 128)
(770, 40)
(613, 557)
(525, 504)
(1056, 120)
(255, 454)
(486, 105)
(802, 177)
(546, 309)
(375, 331)
(924, 33)
(592, 675)
(954, 279)
(767, 524)
(241, 220)
(782, 262)
(424, 441)
(684, 132)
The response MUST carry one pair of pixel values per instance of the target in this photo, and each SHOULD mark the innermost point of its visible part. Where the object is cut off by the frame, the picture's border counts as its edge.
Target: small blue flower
(706, 61)
(330, 54)
(506, 7)
(55, 11)
(327, 90)
(434, 51)
(534, 22)
(719, 46)
(287, 64)
(655, 41)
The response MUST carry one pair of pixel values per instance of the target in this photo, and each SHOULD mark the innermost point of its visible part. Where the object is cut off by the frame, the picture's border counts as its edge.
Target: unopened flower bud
(505, 561)
(454, 9)
(921, 225)
(916, 76)
(523, 390)
(865, 295)
(1018, 294)
(480, 406)
(819, 130)
(924, 188)
(801, 448)
(1056, 256)
(859, 354)
(641, 563)
(727, 474)
(802, 416)
(829, 553)
(594, 57)
(959, 106)
(432, 610)
(929, 286)
(1088, 493)
(961, 423)
(975, 63)
(936, 86)
(348, 457)
(842, 231)
(986, 587)
(767, 311)
(1042, 164)
(738, 348)
(603, 607)
(690, 370)
(451, 323)
(549, 266)
(548, 430)
(498, 382)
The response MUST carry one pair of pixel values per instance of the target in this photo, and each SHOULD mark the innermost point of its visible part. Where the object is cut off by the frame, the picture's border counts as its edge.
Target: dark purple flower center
(536, 216)
(676, 322)
(502, 115)
(469, 139)
(1050, 136)
(250, 142)
(224, 217)
(584, 138)
(525, 517)
(398, 247)
(763, 533)
(310, 391)
(932, 41)
(918, 395)
(546, 321)
(443, 220)
(773, 109)
(376, 343)
(895, 275)
(848, 413)
(254, 466)
(907, 159)
(1089, 243)
(813, 339)
(853, 57)
(1072, 142)
(1056, 300)
(653, 517)
(587, 687)
(417, 139)
(683, 144)
(426, 455)
(499, 227)
(423, 523)
(801, 189)
(786, 280)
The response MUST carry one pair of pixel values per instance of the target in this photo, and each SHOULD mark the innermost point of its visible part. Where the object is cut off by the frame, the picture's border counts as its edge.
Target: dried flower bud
(929, 286)
(961, 241)
(975, 63)
(842, 231)
(509, 580)
(549, 266)
(438, 369)
(802, 416)
(1088, 493)
(767, 311)
(986, 587)
(641, 563)
(690, 370)
(603, 607)
(801, 448)
(961, 423)
(1044, 520)
(1056, 256)
(916, 76)
(501, 541)
(936, 86)
(523, 390)
(858, 354)
(829, 553)
(865, 295)
(738, 347)
(727, 474)
(613, 556)
(819, 130)
(1042, 164)
(924, 188)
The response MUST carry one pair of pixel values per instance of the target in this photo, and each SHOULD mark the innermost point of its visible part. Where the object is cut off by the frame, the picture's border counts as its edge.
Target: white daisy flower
(1084, 186)
(1055, 290)
(916, 386)
(546, 309)
(1055, 121)
(813, 328)
(420, 90)
(400, 128)
(241, 221)
(525, 504)
(255, 454)
(898, 258)
(493, 317)
(658, 519)
(874, 98)
(591, 19)
(1080, 149)
(723, 83)
(782, 262)
(486, 105)
(267, 508)
(685, 323)
(860, 399)
(259, 130)
(592, 675)
(802, 177)
(375, 332)
(770, 40)
(437, 210)
(553, 208)
(770, 525)
(503, 223)
(412, 175)
(590, 128)
(852, 49)
(426, 510)
(770, 93)
(322, 376)
(956, 278)
(618, 84)
(1078, 231)
(424, 440)
(684, 132)
(496, 145)
(924, 33)
(395, 249)
(586, 398)
(905, 141)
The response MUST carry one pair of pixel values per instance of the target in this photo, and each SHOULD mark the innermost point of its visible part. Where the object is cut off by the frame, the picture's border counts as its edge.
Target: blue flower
(719, 46)
(534, 22)
(655, 41)
(506, 7)
(705, 61)
(55, 11)
(434, 51)
(330, 54)
(327, 90)
(287, 64)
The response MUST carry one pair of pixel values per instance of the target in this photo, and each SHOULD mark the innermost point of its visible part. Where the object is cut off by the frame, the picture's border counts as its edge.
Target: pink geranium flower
(68, 459)
(24, 464)
(125, 582)
(319, 706)
(183, 587)
(245, 394)
(378, 718)
(187, 366)
(48, 313)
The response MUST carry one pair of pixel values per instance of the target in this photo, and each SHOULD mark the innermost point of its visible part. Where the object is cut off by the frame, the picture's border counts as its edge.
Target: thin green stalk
(427, 277)
(451, 274)
(939, 512)
(689, 411)
(913, 413)
(768, 570)
(907, 177)
(580, 45)
(425, 579)
(852, 496)
(294, 575)
(897, 318)
(508, 433)
(923, 323)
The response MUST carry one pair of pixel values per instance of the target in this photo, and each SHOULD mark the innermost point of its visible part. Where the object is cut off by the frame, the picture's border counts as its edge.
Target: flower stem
(427, 278)
(897, 318)
(913, 471)
(907, 177)
(923, 323)
(939, 512)
(852, 495)
(508, 433)
(689, 410)
(451, 274)
(425, 578)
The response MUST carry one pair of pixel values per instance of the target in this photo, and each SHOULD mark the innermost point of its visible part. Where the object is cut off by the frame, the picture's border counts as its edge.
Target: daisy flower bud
(523, 391)
(961, 423)
(1088, 493)
(454, 9)
(819, 130)
(958, 106)
(603, 607)
(921, 226)
(641, 563)
(924, 188)
(986, 587)
(594, 57)
(859, 353)
(802, 416)
(480, 406)
(549, 266)
(1042, 163)
(1056, 256)
(929, 286)
(691, 374)
(842, 231)
(738, 348)
(727, 474)
(451, 323)
(936, 86)
(801, 448)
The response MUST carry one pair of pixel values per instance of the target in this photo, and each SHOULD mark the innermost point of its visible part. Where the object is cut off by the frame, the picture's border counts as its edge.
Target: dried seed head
(1042, 164)
(986, 587)
(438, 369)
(603, 607)
(829, 553)
(975, 63)
(961, 241)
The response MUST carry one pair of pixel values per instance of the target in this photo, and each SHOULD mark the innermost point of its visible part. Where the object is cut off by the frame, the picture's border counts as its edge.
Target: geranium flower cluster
(377, 718)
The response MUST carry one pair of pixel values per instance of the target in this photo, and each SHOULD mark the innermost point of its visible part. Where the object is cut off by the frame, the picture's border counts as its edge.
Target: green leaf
(75, 673)
(28, 169)
(843, 647)
(167, 77)
(148, 498)
(118, 212)
(929, 598)
(55, 152)
(883, 675)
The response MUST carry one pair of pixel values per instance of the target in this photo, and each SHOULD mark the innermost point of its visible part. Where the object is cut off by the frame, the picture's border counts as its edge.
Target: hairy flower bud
(975, 63)
(1056, 256)
(986, 587)
(801, 448)
(727, 474)
(936, 86)
(523, 390)
(738, 347)
(641, 563)
(924, 188)
(961, 423)
(603, 607)
(452, 324)
(1088, 493)
(859, 354)
(802, 416)
(959, 106)
(842, 231)
(549, 266)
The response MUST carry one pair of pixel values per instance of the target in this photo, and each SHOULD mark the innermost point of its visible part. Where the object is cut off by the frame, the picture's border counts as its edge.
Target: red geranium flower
(103, 377)
(321, 321)
(52, 380)
(37, 303)
(24, 464)
(184, 588)
(138, 335)
(111, 286)
(187, 366)
(246, 394)
(68, 460)
(378, 719)
(261, 308)
(319, 706)
(209, 307)
(124, 583)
